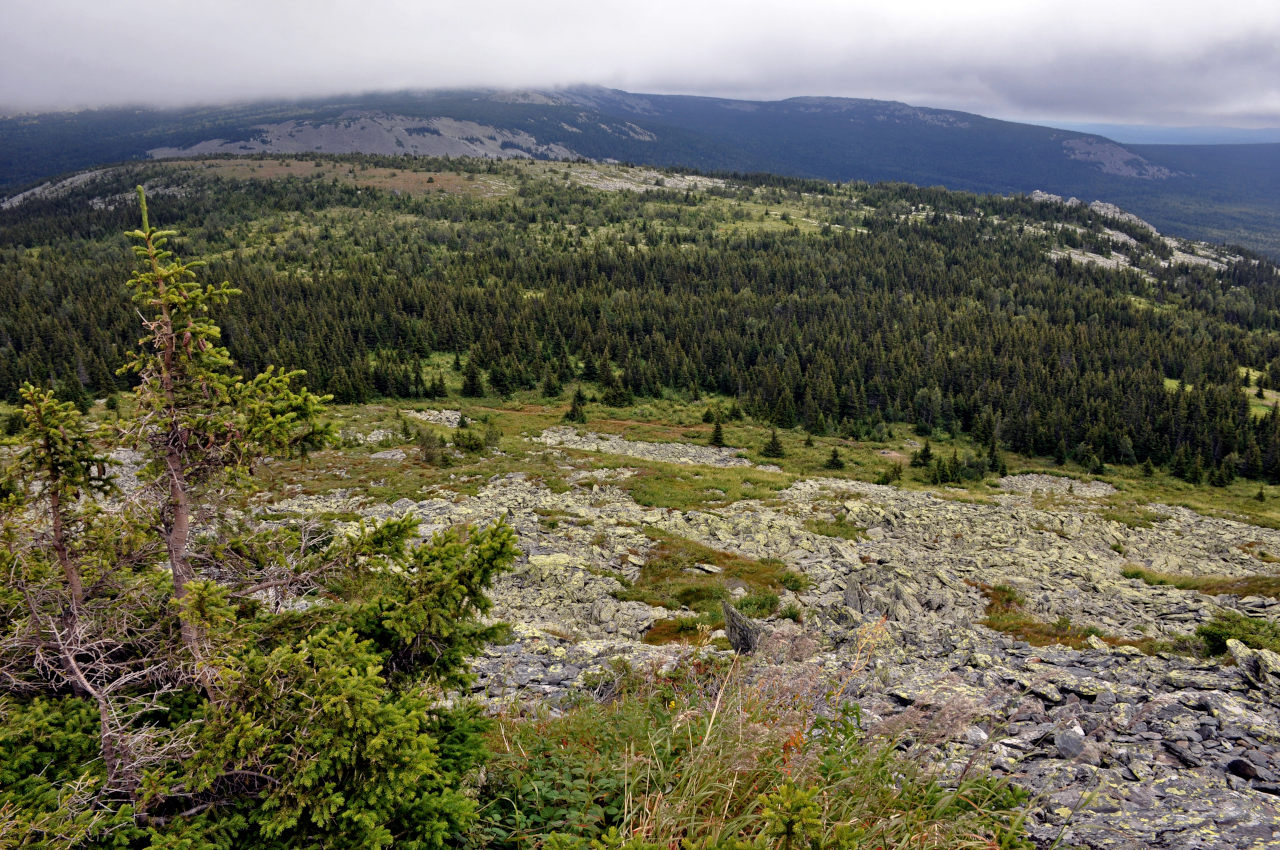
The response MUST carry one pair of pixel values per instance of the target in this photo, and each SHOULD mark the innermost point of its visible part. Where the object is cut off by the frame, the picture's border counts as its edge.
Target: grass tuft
(672, 579)
(1211, 585)
(836, 527)
(709, 757)
(1005, 613)
(1131, 516)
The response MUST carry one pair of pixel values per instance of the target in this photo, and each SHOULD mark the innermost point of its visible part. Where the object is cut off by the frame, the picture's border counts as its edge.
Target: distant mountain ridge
(1224, 193)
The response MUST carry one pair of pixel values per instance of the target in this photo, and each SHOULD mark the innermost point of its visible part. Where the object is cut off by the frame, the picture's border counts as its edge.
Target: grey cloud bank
(1135, 63)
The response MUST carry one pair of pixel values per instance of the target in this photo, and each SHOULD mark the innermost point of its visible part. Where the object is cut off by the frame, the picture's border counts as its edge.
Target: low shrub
(758, 605)
(1251, 631)
(710, 757)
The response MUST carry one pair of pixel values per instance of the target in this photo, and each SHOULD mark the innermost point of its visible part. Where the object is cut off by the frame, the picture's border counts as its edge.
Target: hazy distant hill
(1218, 192)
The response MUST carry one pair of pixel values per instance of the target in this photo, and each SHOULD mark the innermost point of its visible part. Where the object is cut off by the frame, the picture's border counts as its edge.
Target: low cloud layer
(1169, 63)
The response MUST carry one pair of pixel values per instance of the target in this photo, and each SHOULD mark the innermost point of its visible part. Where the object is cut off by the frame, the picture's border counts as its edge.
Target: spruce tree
(472, 381)
(717, 435)
(922, 457)
(199, 419)
(834, 461)
(577, 408)
(551, 387)
(270, 689)
(773, 448)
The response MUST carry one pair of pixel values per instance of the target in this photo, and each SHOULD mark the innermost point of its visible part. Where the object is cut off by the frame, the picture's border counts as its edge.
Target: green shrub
(759, 605)
(705, 757)
(794, 582)
(1251, 631)
(468, 440)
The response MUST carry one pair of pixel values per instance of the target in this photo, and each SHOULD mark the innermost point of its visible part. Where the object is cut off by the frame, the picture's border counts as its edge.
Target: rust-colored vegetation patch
(406, 180)
(1005, 613)
(1211, 585)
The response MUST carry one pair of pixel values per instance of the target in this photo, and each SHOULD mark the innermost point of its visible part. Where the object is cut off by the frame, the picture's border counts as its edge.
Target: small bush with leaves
(758, 605)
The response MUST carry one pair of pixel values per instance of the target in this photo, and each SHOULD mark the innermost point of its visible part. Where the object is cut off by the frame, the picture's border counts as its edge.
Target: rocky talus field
(1120, 747)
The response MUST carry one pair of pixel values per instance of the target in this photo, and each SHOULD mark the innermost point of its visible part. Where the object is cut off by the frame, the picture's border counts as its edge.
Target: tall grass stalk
(715, 753)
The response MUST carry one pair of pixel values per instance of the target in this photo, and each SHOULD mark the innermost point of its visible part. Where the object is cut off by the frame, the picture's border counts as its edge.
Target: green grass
(836, 527)
(1236, 501)
(1130, 515)
(1005, 613)
(683, 487)
(759, 605)
(1253, 632)
(709, 757)
(669, 579)
(1211, 585)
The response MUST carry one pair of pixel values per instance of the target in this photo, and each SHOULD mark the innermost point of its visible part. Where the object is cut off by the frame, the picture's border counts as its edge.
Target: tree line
(938, 308)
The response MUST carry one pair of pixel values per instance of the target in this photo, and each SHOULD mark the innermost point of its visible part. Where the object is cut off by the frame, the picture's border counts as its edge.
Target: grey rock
(1260, 667)
(1243, 768)
(743, 633)
(1070, 744)
(1153, 735)
(1182, 754)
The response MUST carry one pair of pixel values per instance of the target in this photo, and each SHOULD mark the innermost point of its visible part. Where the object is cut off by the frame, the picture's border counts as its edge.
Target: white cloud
(1162, 62)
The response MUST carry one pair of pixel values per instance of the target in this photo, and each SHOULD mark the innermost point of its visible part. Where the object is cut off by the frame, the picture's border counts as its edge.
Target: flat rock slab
(685, 453)
(1056, 484)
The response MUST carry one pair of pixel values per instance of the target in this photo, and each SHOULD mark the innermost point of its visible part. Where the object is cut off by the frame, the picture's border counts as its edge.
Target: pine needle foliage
(269, 688)
(773, 448)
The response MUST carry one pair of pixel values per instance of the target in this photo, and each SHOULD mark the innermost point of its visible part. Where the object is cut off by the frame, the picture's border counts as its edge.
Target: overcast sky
(1170, 62)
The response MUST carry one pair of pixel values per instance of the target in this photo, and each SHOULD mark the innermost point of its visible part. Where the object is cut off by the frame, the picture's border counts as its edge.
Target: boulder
(743, 632)
(1260, 667)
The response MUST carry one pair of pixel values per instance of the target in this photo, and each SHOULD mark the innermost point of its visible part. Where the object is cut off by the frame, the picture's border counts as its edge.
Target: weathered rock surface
(744, 635)
(1260, 666)
(447, 418)
(562, 435)
(1121, 749)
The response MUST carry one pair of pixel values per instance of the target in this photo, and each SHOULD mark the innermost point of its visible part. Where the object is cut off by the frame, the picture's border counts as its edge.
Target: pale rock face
(383, 133)
(666, 452)
(1172, 752)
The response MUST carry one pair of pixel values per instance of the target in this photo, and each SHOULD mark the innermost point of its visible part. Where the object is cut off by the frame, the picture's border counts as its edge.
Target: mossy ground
(672, 578)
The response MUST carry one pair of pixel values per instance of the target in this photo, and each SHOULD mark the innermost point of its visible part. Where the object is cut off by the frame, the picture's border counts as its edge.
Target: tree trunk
(176, 536)
(74, 583)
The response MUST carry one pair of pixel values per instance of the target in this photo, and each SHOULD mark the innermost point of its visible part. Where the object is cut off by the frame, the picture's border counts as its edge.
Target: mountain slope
(1219, 192)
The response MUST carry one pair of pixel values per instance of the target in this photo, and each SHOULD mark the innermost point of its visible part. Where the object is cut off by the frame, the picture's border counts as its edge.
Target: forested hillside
(835, 307)
(1218, 193)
